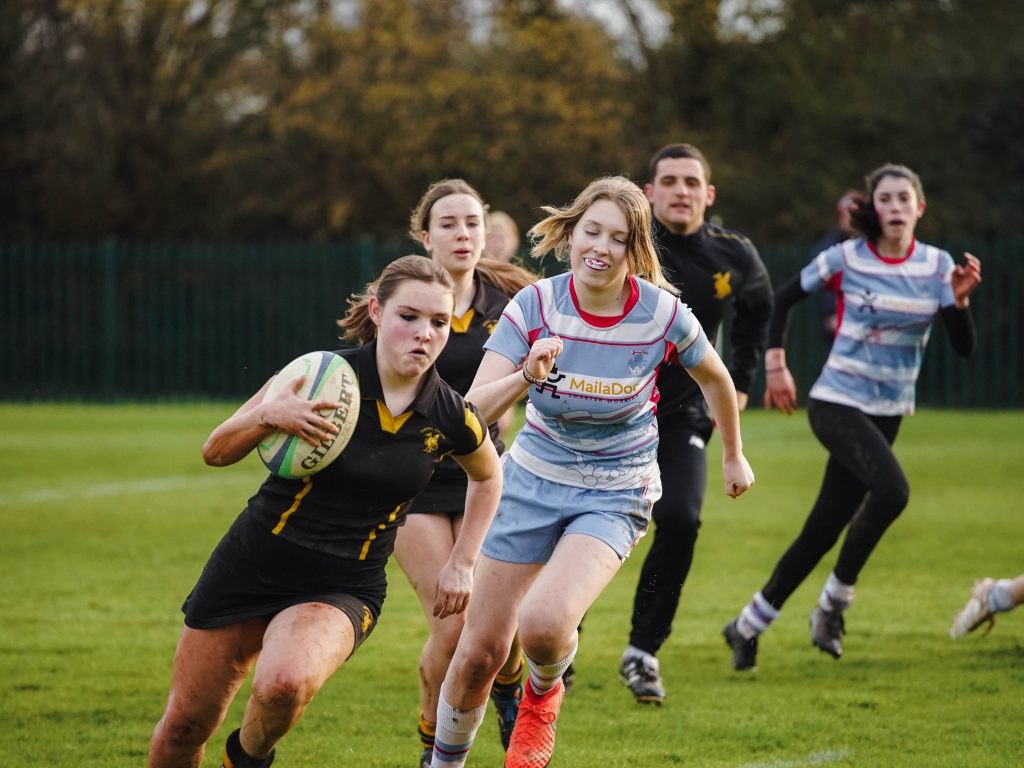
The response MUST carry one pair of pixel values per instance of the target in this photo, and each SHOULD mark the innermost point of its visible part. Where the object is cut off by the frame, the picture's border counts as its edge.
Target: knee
(479, 661)
(283, 690)
(543, 636)
(682, 526)
(183, 731)
(894, 497)
(901, 496)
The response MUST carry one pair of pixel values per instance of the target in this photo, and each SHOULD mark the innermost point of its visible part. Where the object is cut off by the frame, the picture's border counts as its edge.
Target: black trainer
(744, 651)
(569, 677)
(236, 757)
(426, 757)
(506, 700)
(643, 678)
(827, 629)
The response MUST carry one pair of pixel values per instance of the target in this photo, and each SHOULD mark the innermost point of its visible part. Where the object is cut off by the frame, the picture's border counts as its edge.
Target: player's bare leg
(422, 549)
(210, 666)
(577, 572)
(302, 648)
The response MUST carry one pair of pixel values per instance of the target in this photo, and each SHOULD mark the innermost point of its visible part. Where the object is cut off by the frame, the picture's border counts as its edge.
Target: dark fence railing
(173, 321)
(121, 321)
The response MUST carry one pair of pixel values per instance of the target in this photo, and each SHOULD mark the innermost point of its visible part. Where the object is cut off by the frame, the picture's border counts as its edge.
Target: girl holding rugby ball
(298, 581)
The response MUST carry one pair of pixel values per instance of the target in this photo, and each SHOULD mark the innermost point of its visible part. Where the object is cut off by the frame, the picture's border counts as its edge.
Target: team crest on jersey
(490, 325)
(637, 362)
(431, 439)
(723, 287)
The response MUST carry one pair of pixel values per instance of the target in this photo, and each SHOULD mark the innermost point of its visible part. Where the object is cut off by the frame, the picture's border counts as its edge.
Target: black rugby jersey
(457, 365)
(354, 506)
(461, 356)
(715, 269)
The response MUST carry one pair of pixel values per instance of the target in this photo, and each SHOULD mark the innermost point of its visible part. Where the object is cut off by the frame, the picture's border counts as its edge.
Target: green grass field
(109, 514)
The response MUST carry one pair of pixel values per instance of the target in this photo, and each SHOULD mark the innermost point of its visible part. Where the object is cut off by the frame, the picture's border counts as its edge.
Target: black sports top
(457, 365)
(354, 506)
(715, 268)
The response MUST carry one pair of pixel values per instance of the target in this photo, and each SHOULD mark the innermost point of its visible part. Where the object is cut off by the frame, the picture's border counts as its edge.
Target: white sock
(835, 595)
(632, 652)
(999, 597)
(456, 729)
(544, 677)
(756, 617)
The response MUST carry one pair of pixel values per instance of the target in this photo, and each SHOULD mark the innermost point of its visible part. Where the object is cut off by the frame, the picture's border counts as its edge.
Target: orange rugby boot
(533, 739)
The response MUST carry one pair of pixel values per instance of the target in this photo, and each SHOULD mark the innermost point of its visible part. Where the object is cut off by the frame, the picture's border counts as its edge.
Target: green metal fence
(120, 321)
(173, 321)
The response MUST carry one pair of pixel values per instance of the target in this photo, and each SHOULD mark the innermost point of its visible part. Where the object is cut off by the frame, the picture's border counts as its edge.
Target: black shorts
(445, 495)
(253, 573)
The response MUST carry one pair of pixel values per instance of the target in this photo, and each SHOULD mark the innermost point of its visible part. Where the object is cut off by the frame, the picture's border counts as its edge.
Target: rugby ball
(328, 377)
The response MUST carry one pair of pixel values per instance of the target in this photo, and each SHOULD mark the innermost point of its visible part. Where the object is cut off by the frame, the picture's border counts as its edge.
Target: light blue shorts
(535, 513)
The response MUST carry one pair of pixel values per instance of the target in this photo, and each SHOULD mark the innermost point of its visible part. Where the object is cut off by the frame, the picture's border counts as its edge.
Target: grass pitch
(109, 514)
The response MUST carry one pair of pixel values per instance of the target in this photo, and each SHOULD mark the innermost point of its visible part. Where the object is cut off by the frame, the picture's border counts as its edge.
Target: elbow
(488, 483)
(490, 486)
(212, 456)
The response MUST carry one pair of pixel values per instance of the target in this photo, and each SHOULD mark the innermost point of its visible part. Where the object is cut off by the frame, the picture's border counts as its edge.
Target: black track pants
(684, 473)
(864, 487)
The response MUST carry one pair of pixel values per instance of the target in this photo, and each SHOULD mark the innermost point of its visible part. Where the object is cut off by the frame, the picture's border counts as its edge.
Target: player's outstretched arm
(455, 581)
(233, 439)
(716, 384)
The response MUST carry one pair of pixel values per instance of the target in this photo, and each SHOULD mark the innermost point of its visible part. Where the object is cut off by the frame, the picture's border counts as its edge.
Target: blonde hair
(503, 219)
(357, 323)
(419, 221)
(552, 233)
(499, 220)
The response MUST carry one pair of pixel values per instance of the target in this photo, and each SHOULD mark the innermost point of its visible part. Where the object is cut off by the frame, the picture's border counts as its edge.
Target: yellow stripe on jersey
(373, 532)
(474, 424)
(307, 485)
(461, 324)
(388, 422)
(728, 236)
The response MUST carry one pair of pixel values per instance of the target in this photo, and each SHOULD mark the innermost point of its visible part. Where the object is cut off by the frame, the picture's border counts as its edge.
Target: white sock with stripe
(544, 677)
(835, 595)
(999, 596)
(456, 729)
(756, 617)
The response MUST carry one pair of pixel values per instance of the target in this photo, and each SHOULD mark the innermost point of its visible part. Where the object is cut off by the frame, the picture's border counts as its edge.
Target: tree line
(325, 119)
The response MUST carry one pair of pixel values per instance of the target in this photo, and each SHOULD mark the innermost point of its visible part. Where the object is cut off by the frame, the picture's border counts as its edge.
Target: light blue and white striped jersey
(885, 312)
(591, 423)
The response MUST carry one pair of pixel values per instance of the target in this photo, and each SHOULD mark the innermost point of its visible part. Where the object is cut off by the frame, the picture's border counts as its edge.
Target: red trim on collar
(606, 321)
(886, 259)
